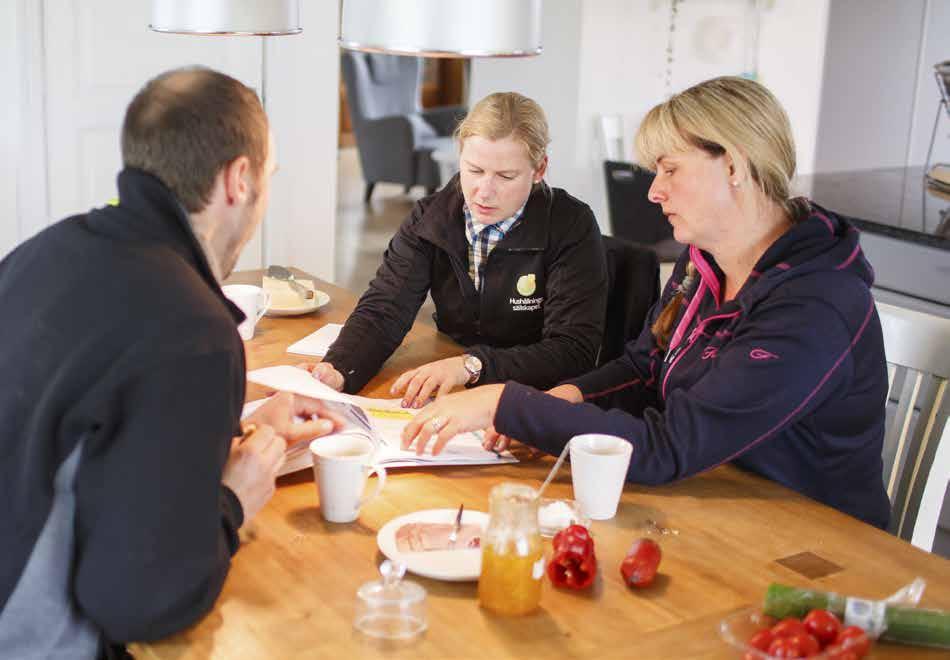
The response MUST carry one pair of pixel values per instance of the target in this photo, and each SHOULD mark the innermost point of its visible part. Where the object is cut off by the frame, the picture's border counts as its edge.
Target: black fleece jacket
(115, 333)
(539, 317)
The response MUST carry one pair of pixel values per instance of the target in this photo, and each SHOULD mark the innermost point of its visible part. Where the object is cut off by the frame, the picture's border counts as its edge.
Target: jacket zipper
(676, 355)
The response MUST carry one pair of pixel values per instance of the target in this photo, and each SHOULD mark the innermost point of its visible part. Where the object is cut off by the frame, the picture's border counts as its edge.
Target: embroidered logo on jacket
(710, 352)
(762, 354)
(526, 285)
(526, 304)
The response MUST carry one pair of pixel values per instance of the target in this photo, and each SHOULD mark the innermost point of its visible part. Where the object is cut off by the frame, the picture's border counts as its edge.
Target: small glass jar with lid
(391, 608)
(512, 552)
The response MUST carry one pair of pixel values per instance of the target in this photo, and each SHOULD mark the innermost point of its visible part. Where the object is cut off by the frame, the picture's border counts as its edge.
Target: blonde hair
(505, 114)
(727, 115)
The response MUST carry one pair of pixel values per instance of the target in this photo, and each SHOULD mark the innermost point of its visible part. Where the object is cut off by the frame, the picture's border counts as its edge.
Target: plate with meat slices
(421, 541)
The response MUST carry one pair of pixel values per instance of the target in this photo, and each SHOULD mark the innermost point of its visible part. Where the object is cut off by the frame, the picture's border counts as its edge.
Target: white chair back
(917, 347)
(935, 491)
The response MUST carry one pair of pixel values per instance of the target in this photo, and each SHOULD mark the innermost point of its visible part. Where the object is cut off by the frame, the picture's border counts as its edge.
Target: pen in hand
(247, 431)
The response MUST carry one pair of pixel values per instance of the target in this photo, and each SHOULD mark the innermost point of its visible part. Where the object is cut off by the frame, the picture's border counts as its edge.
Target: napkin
(317, 343)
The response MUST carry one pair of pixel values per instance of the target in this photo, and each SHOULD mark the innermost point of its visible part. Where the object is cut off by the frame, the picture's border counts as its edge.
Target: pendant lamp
(442, 28)
(226, 17)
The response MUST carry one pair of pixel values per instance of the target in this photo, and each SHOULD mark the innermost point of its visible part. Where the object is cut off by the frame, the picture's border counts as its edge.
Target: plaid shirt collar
(482, 240)
(473, 228)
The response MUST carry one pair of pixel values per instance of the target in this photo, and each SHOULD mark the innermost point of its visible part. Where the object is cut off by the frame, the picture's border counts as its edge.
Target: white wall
(623, 63)
(303, 104)
(879, 96)
(550, 79)
(79, 64)
(23, 200)
(869, 86)
(791, 60)
(609, 57)
(9, 121)
(934, 48)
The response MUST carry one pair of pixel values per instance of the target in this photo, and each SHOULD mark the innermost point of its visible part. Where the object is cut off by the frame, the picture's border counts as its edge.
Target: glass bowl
(738, 627)
(556, 514)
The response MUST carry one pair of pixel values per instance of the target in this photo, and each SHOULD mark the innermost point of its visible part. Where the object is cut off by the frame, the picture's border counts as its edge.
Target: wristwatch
(473, 366)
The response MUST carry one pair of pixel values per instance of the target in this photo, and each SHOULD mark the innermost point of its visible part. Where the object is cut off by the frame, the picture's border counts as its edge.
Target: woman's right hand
(325, 373)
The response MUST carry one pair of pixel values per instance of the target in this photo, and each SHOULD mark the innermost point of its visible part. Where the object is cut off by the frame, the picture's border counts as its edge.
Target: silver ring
(437, 423)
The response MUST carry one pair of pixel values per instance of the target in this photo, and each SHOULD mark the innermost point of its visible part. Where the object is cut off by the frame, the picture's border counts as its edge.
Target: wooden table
(292, 587)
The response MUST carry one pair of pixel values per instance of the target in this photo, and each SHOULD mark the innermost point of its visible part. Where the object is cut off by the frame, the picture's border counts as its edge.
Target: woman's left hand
(435, 377)
(452, 414)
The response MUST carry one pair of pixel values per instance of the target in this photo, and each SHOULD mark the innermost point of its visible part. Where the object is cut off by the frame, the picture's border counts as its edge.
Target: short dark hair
(186, 124)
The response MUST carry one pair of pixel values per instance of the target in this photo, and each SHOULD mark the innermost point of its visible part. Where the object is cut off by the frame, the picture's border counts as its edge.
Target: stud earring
(735, 184)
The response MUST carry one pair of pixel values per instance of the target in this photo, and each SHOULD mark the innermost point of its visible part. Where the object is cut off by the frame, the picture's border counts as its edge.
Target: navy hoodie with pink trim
(787, 380)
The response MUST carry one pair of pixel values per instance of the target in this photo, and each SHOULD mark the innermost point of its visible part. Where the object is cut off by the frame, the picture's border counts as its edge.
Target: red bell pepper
(573, 564)
(639, 566)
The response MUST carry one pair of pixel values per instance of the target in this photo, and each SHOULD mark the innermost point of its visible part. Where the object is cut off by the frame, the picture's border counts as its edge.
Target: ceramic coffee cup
(253, 301)
(341, 465)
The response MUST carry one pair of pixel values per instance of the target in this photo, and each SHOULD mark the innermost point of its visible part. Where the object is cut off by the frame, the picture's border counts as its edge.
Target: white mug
(599, 469)
(253, 301)
(341, 465)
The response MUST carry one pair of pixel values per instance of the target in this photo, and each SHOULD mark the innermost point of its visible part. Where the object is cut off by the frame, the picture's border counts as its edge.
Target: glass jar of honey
(512, 552)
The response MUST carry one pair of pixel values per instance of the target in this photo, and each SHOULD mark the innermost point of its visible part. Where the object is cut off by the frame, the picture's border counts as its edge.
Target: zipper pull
(672, 353)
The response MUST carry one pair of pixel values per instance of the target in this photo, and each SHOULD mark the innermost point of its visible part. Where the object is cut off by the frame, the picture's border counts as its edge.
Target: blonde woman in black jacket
(515, 268)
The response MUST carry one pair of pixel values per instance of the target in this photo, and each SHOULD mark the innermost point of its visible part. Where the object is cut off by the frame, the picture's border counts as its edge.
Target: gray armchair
(394, 135)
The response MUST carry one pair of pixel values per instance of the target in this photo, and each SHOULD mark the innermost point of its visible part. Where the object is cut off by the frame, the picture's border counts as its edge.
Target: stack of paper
(317, 343)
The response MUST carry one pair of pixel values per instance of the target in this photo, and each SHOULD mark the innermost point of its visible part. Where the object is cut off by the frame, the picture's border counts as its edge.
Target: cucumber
(905, 625)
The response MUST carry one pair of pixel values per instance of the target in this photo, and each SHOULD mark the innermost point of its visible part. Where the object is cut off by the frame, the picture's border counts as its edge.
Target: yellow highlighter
(389, 414)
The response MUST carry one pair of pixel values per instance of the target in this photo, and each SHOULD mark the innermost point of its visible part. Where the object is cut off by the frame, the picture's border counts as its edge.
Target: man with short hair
(125, 472)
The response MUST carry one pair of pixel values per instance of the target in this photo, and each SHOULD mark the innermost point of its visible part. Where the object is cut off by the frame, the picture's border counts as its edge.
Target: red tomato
(639, 566)
(823, 625)
(854, 639)
(785, 647)
(761, 640)
(808, 644)
(835, 652)
(788, 627)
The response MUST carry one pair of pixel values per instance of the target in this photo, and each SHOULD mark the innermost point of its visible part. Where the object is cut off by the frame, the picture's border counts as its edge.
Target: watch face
(473, 365)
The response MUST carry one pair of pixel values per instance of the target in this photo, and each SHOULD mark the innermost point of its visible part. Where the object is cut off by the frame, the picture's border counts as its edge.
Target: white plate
(305, 307)
(451, 565)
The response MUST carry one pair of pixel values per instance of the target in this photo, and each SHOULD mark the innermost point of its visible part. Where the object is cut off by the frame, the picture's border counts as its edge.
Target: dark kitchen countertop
(891, 202)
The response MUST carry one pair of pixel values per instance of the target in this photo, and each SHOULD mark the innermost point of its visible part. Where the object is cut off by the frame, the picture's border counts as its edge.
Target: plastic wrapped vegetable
(573, 564)
(885, 619)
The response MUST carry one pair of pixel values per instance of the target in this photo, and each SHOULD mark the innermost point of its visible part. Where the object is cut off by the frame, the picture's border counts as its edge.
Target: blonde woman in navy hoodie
(765, 349)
